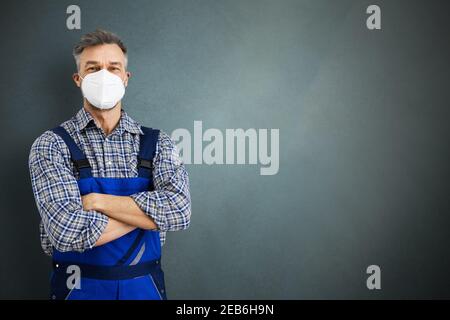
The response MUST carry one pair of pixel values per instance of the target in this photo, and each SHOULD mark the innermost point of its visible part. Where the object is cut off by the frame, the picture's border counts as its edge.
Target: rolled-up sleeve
(67, 225)
(169, 205)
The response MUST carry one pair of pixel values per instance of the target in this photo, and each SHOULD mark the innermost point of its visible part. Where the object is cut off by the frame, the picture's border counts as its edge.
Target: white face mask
(102, 89)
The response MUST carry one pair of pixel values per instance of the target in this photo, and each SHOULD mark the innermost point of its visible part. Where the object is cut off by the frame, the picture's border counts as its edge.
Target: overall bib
(126, 268)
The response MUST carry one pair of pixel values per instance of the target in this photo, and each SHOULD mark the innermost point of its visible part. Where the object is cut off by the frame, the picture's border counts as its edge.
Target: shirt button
(109, 163)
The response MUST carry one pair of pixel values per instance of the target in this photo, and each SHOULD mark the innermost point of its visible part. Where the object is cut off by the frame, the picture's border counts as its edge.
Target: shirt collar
(84, 119)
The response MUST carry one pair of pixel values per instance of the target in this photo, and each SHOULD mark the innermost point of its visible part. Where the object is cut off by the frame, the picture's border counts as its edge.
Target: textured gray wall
(363, 118)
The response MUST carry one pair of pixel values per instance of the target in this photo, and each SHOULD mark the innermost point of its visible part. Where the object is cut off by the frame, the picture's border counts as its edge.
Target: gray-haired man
(107, 188)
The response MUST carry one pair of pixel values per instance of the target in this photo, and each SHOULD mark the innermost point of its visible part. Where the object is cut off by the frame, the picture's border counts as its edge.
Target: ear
(128, 76)
(76, 78)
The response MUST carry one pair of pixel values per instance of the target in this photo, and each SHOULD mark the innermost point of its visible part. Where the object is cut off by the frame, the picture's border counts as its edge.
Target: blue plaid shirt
(65, 225)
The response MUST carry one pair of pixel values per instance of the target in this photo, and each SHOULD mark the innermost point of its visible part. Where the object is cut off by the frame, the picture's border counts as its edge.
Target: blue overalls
(126, 268)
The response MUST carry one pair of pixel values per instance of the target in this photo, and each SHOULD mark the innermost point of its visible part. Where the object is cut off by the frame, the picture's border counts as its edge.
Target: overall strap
(79, 159)
(147, 150)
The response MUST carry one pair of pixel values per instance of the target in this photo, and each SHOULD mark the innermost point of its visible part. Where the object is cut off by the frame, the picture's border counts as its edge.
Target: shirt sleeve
(169, 205)
(68, 226)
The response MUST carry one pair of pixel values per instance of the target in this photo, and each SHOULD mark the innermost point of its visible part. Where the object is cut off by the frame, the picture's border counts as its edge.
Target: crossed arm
(70, 222)
(123, 212)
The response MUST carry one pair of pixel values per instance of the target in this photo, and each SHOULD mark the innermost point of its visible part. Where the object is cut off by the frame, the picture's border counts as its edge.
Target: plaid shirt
(65, 225)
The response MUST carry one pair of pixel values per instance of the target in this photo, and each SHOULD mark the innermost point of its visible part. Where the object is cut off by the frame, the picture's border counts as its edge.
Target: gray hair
(97, 37)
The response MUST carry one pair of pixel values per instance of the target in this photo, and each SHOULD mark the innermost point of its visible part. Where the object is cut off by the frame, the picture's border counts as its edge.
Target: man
(107, 189)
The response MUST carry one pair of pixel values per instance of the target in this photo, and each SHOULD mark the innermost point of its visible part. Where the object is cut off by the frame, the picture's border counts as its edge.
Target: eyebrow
(116, 63)
(91, 62)
(96, 62)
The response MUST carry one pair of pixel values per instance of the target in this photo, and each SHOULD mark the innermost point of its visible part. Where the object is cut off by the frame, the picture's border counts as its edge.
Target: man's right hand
(114, 230)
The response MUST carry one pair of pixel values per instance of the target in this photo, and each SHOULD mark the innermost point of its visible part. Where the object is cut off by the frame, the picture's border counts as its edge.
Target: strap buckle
(82, 163)
(144, 163)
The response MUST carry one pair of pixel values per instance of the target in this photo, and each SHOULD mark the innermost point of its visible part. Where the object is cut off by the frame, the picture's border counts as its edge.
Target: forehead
(103, 53)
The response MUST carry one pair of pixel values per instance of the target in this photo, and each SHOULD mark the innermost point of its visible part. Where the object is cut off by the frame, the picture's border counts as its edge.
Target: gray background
(363, 118)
